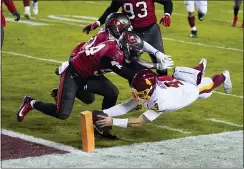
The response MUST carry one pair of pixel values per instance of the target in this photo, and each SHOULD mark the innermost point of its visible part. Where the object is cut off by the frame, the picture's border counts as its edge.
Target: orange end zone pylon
(87, 131)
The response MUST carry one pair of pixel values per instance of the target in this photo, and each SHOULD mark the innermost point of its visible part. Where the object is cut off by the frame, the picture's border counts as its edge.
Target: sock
(46, 108)
(26, 3)
(236, 10)
(27, 9)
(191, 21)
(218, 80)
(199, 67)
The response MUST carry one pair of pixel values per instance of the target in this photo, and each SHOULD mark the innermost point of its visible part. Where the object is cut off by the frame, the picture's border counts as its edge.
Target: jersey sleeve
(121, 109)
(168, 5)
(118, 68)
(10, 5)
(114, 7)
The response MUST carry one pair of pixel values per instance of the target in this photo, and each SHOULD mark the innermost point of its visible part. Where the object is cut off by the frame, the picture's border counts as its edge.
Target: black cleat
(200, 16)
(193, 34)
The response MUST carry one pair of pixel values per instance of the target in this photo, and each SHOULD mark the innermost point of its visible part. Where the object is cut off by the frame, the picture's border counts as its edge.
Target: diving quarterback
(143, 19)
(161, 94)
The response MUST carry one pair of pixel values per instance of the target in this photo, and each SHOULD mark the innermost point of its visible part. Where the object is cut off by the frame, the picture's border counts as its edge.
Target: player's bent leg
(227, 82)
(201, 66)
(85, 97)
(104, 87)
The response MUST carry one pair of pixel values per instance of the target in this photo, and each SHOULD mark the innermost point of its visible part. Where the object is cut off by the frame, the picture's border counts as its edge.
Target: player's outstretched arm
(168, 8)
(114, 7)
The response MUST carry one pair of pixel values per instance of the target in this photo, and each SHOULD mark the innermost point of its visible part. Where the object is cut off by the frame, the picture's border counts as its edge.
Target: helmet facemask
(142, 96)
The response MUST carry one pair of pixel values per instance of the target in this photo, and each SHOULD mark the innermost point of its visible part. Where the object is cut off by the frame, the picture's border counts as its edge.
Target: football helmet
(131, 45)
(116, 23)
(143, 85)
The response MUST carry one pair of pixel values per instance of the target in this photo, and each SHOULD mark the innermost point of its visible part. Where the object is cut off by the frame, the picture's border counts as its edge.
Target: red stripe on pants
(60, 90)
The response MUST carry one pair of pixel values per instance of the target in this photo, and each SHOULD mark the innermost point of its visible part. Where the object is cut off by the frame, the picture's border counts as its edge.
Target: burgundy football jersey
(140, 12)
(87, 63)
(102, 36)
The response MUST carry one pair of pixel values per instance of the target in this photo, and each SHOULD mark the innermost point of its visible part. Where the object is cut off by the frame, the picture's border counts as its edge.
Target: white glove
(161, 56)
(165, 64)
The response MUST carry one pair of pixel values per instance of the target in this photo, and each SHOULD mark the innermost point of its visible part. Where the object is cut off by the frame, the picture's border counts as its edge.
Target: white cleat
(227, 82)
(204, 62)
(27, 15)
(35, 8)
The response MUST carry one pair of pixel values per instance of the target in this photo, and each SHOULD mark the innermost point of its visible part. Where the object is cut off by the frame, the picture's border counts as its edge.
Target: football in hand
(95, 118)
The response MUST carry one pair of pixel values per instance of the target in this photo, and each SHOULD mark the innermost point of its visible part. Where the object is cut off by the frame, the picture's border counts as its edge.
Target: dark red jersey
(141, 13)
(88, 62)
(11, 8)
(102, 36)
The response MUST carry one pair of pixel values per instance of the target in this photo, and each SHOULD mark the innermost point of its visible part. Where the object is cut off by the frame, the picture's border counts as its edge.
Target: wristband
(120, 122)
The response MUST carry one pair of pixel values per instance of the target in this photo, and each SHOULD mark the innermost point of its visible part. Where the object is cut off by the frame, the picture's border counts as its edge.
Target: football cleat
(27, 15)
(234, 21)
(204, 63)
(193, 34)
(103, 134)
(201, 16)
(35, 8)
(54, 94)
(227, 82)
(25, 108)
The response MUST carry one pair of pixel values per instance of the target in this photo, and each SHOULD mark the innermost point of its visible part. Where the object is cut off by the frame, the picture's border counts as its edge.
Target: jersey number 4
(128, 8)
(174, 84)
(93, 50)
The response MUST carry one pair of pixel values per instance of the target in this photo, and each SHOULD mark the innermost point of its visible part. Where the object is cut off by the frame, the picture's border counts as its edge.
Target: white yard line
(67, 19)
(223, 150)
(32, 57)
(82, 17)
(57, 61)
(201, 44)
(172, 129)
(232, 11)
(224, 122)
(68, 23)
(27, 22)
(228, 94)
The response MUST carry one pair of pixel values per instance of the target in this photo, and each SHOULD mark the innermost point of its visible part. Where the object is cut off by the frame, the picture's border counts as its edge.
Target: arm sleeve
(114, 7)
(168, 5)
(121, 109)
(118, 68)
(10, 5)
(149, 48)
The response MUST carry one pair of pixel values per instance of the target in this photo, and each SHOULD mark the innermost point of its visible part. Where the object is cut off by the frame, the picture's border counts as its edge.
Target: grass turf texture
(23, 76)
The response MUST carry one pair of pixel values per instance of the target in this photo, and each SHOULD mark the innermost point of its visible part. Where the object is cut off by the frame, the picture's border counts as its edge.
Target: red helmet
(143, 84)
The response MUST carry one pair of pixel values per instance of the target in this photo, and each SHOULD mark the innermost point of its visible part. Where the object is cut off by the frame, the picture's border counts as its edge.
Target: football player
(165, 94)
(11, 7)
(143, 19)
(27, 13)
(84, 73)
(115, 24)
(235, 11)
(201, 9)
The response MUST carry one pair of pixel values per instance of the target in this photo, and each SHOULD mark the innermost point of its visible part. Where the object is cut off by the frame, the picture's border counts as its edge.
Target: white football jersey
(170, 96)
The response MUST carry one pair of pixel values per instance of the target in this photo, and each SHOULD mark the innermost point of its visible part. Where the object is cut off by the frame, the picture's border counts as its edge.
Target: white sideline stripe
(32, 57)
(201, 44)
(67, 19)
(172, 129)
(225, 122)
(68, 23)
(48, 143)
(92, 2)
(228, 94)
(232, 11)
(83, 17)
(57, 61)
(27, 22)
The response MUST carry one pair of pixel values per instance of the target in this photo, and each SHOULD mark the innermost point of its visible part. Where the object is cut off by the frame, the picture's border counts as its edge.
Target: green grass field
(29, 76)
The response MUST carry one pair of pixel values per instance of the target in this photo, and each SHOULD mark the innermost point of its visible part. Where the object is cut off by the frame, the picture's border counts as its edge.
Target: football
(95, 118)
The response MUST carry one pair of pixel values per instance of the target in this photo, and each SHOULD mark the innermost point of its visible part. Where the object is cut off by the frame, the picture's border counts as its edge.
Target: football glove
(165, 64)
(161, 56)
(17, 16)
(92, 26)
(165, 20)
